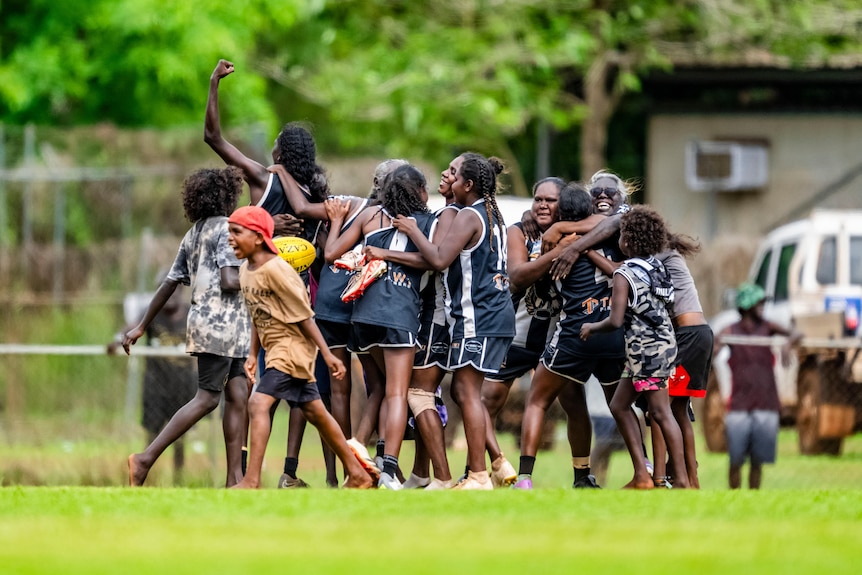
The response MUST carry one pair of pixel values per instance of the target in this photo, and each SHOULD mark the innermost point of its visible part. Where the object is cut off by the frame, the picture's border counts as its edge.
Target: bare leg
(331, 433)
(421, 461)
(629, 428)
(295, 432)
(328, 454)
(494, 395)
(399, 369)
(579, 429)
(259, 405)
(659, 452)
(340, 392)
(544, 389)
(201, 404)
(735, 476)
(234, 426)
(679, 407)
(375, 386)
(431, 435)
(659, 408)
(467, 388)
(755, 474)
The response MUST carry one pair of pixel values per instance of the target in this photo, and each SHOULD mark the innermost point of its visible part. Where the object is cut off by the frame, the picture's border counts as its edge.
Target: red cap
(256, 219)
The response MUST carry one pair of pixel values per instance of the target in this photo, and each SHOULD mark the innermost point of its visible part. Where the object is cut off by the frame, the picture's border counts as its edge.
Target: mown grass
(117, 530)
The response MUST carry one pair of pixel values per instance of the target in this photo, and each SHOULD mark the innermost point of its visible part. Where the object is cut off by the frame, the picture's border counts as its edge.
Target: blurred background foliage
(419, 78)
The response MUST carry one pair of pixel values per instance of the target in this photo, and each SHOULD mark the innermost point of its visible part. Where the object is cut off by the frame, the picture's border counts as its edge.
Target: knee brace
(420, 401)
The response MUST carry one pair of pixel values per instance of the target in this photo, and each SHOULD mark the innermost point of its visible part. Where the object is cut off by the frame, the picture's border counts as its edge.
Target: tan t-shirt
(277, 301)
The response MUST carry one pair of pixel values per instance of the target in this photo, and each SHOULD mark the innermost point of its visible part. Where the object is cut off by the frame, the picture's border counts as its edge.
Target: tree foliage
(420, 78)
(130, 62)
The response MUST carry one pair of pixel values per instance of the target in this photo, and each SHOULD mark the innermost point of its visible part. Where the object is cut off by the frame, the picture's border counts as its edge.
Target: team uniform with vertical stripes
(433, 340)
(536, 309)
(478, 299)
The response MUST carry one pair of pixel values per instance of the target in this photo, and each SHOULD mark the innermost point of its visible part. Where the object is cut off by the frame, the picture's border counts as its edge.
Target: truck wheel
(810, 384)
(713, 417)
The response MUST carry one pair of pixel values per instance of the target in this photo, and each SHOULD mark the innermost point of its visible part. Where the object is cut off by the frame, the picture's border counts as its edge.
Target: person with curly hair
(642, 289)
(472, 257)
(218, 330)
(385, 319)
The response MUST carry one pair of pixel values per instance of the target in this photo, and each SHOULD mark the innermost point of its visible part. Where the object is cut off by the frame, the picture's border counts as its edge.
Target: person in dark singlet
(295, 150)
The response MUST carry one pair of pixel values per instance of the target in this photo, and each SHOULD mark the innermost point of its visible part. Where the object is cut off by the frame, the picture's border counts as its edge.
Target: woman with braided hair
(385, 319)
(472, 257)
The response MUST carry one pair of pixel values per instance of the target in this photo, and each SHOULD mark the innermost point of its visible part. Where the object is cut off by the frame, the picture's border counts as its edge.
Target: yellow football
(298, 252)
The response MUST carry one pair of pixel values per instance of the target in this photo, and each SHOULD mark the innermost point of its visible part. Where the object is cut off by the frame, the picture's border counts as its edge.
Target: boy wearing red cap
(283, 322)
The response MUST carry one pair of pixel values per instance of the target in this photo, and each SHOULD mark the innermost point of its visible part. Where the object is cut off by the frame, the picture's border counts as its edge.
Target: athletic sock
(290, 465)
(380, 445)
(244, 459)
(390, 465)
(525, 467)
(581, 466)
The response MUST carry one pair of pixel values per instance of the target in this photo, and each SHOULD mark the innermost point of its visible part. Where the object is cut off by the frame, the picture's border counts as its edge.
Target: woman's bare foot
(246, 484)
(638, 483)
(358, 481)
(137, 471)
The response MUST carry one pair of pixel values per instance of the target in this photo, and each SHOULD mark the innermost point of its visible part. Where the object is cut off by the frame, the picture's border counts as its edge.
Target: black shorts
(280, 385)
(366, 336)
(216, 370)
(694, 356)
(435, 353)
(519, 360)
(335, 333)
(563, 360)
(486, 354)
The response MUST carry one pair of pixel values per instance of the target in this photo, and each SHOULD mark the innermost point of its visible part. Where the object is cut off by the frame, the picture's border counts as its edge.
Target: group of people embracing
(584, 286)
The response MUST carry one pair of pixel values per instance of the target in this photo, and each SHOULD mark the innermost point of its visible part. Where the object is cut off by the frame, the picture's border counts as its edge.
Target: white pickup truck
(811, 271)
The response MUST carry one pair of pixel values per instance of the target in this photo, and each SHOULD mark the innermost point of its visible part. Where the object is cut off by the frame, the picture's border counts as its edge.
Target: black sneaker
(588, 482)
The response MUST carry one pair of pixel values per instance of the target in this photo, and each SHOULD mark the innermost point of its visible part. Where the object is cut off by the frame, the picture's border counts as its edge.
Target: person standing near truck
(753, 411)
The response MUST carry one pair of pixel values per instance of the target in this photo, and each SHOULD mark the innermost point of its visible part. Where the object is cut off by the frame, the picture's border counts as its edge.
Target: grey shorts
(751, 434)
(280, 385)
(214, 371)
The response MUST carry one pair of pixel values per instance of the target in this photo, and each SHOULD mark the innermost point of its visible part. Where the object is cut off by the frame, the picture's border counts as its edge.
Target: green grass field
(807, 519)
(120, 530)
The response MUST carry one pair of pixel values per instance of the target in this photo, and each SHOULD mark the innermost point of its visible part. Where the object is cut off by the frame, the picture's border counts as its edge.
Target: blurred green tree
(131, 62)
(392, 77)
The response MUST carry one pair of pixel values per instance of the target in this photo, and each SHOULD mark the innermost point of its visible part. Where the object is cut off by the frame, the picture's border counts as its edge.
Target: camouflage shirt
(650, 340)
(218, 321)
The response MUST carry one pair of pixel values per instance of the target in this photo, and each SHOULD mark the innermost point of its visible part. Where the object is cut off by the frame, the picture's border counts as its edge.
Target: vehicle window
(827, 263)
(781, 280)
(856, 260)
(763, 270)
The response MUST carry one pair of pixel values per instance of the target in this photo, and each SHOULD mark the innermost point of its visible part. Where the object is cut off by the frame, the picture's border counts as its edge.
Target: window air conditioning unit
(726, 166)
